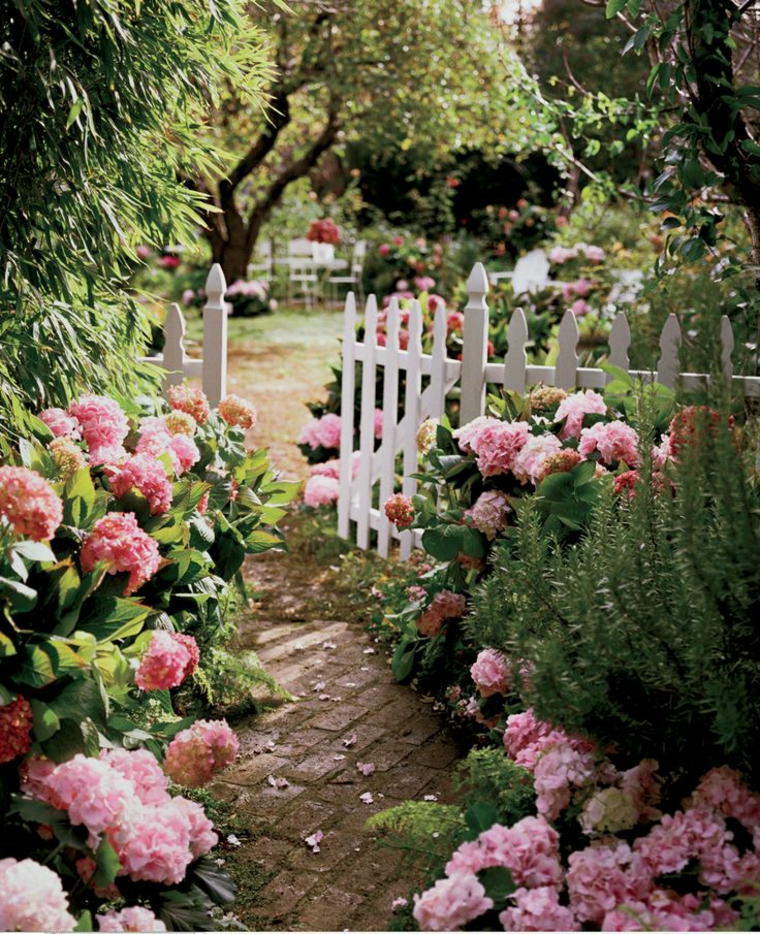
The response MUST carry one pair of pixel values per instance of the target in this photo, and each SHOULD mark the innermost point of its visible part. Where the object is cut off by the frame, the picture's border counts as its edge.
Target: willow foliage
(101, 102)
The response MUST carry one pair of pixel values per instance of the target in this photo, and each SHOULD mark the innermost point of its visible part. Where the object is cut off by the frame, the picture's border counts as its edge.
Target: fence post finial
(516, 359)
(668, 366)
(174, 346)
(215, 337)
(726, 346)
(475, 346)
(566, 367)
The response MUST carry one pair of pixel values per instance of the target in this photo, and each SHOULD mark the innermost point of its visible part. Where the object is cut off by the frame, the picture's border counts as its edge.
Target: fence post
(348, 381)
(390, 419)
(567, 359)
(173, 359)
(619, 341)
(668, 367)
(726, 347)
(412, 409)
(367, 423)
(515, 359)
(475, 349)
(215, 337)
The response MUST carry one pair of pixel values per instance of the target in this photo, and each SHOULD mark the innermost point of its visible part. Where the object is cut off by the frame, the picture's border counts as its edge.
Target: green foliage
(425, 832)
(101, 105)
(643, 632)
(488, 776)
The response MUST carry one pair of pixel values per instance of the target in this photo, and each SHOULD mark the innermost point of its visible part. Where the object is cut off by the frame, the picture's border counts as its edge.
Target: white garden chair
(353, 278)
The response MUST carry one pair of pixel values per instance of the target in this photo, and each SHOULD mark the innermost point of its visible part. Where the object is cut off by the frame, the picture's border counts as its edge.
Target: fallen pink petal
(366, 768)
(367, 797)
(350, 740)
(314, 840)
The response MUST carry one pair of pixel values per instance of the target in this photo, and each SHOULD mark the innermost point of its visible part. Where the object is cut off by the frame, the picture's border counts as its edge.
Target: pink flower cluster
(122, 796)
(321, 490)
(615, 442)
(15, 728)
(67, 456)
(495, 443)
(145, 474)
(156, 439)
(102, 424)
(238, 412)
(322, 432)
(399, 510)
(193, 401)
(451, 903)
(489, 513)
(530, 463)
(491, 673)
(118, 541)
(195, 754)
(171, 657)
(60, 423)
(135, 918)
(445, 605)
(573, 408)
(29, 504)
(33, 898)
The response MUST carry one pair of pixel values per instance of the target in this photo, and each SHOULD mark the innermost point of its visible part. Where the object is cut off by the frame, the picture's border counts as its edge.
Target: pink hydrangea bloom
(467, 433)
(451, 903)
(378, 423)
(167, 662)
(561, 254)
(723, 790)
(680, 837)
(496, 444)
(93, 793)
(107, 454)
(643, 784)
(237, 411)
(322, 432)
(615, 442)
(134, 918)
(33, 898)
(530, 462)
(399, 510)
(445, 605)
(147, 475)
(594, 254)
(529, 849)
(154, 843)
(141, 768)
(580, 307)
(101, 420)
(321, 490)
(603, 877)
(202, 836)
(489, 513)
(184, 453)
(29, 504)
(526, 739)
(538, 910)
(15, 728)
(426, 435)
(193, 401)
(557, 771)
(60, 423)
(196, 753)
(34, 773)
(490, 672)
(119, 542)
(574, 408)
(86, 868)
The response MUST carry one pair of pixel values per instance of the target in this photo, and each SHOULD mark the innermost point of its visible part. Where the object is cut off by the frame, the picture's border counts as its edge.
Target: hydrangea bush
(119, 530)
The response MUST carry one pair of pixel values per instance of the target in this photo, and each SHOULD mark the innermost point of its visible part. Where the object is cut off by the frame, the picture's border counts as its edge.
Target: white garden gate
(212, 369)
(472, 373)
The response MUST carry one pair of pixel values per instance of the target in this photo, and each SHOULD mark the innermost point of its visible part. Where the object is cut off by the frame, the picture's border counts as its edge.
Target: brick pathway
(349, 711)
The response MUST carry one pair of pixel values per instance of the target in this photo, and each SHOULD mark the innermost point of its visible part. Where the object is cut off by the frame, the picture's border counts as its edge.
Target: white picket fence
(472, 374)
(212, 369)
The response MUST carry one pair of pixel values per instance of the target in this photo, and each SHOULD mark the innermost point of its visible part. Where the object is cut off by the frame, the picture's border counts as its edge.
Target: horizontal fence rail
(375, 477)
(212, 369)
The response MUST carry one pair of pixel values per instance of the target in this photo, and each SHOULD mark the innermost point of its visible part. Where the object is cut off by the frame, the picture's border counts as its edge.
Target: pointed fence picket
(212, 369)
(365, 488)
